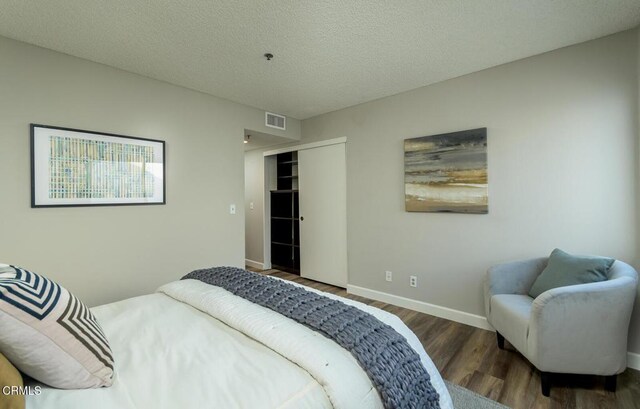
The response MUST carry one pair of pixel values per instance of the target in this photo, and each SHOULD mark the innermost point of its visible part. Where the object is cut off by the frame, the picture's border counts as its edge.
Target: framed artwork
(73, 167)
(447, 172)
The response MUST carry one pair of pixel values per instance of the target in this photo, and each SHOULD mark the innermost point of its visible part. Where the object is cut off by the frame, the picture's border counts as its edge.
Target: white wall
(109, 253)
(562, 149)
(634, 338)
(254, 193)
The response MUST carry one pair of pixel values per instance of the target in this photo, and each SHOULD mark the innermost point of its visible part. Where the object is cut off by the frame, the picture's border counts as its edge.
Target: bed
(195, 345)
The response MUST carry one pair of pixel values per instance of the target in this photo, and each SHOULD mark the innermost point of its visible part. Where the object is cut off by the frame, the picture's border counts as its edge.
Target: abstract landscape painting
(447, 172)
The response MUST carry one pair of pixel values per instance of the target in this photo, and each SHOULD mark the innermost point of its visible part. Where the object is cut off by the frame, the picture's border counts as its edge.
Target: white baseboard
(633, 360)
(254, 264)
(421, 306)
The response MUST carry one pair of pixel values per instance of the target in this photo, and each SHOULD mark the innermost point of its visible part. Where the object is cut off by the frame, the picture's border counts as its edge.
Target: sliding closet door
(323, 214)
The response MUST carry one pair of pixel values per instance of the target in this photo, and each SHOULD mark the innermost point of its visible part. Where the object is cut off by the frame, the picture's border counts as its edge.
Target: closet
(285, 223)
(305, 216)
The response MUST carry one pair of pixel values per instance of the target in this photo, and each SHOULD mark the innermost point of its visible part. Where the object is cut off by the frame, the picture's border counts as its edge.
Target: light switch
(251, 205)
(232, 209)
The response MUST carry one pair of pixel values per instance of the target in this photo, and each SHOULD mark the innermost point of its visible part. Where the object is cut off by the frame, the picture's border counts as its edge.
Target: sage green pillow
(565, 269)
(9, 379)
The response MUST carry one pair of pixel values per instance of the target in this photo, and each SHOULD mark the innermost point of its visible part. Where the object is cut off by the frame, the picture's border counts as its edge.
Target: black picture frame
(78, 168)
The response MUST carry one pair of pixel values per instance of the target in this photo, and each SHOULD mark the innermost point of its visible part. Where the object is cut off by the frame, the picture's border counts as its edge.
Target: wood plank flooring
(470, 357)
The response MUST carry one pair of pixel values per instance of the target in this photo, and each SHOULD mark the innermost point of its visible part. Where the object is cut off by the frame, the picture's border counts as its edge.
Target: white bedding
(192, 345)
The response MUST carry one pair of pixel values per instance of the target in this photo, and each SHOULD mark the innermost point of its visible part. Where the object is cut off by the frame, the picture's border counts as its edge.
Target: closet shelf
(285, 244)
(285, 247)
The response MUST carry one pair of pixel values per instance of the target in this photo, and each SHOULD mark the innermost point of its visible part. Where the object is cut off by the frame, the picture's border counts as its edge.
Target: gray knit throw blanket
(392, 365)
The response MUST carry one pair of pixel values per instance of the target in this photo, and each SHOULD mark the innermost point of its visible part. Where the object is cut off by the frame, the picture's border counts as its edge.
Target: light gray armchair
(578, 329)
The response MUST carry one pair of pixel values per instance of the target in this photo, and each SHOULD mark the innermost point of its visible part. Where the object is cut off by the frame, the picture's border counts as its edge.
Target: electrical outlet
(388, 275)
(413, 281)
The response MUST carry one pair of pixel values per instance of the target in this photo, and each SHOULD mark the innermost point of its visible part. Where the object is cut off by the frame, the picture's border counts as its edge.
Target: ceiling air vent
(275, 121)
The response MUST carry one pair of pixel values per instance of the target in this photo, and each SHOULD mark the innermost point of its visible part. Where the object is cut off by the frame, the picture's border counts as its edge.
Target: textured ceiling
(328, 54)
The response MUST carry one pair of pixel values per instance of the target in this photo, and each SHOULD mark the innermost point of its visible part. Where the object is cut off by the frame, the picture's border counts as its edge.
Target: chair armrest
(511, 278)
(582, 328)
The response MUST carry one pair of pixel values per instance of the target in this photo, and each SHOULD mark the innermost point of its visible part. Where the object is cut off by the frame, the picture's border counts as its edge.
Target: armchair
(577, 329)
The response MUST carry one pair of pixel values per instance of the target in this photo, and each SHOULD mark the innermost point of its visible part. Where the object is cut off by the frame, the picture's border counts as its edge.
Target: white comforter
(192, 345)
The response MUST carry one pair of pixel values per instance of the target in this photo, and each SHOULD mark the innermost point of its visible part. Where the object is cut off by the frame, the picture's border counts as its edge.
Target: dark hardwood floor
(470, 357)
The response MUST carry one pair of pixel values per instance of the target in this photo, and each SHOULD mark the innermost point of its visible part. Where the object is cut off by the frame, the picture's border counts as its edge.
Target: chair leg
(610, 383)
(545, 382)
(500, 340)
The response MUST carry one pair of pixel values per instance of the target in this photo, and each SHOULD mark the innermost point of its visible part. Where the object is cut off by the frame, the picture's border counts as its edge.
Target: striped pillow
(49, 334)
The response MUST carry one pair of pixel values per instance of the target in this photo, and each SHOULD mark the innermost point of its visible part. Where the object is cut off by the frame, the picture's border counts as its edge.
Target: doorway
(254, 181)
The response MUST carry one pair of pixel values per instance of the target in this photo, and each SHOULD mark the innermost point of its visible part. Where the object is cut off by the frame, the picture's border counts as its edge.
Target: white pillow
(49, 334)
